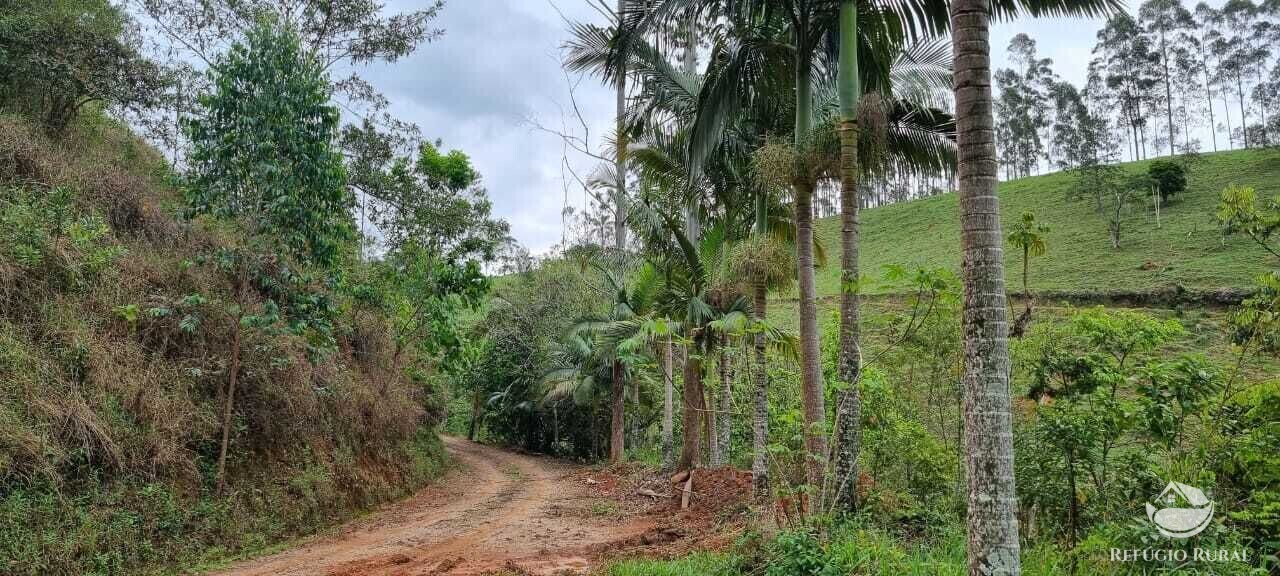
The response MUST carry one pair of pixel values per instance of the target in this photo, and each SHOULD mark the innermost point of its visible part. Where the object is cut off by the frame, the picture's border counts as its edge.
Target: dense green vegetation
(254, 330)
(886, 394)
(198, 360)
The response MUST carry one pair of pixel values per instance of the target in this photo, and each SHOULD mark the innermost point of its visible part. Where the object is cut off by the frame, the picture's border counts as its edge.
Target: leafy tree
(434, 199)
(57, 58)
(339, 34)
(1023, 105)
(1169, 177)
(1257, 320)
(263, 148)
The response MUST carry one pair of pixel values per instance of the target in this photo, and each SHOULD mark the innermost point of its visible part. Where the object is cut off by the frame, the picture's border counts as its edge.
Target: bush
(1170, 178)
(56, 58)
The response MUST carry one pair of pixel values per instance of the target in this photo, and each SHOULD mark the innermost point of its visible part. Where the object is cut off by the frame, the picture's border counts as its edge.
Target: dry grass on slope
(113, 361)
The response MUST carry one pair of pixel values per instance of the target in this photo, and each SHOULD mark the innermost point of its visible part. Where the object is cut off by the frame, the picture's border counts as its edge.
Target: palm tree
(988, 428)
(745, 86)
(919, 134)
(626, 304)
(1028, 235)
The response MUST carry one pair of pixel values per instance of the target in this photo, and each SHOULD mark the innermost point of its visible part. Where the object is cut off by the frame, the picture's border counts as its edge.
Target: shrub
(1170, 178)
(56, 58)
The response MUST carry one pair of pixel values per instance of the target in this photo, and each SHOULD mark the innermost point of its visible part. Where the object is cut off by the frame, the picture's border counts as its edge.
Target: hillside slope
(116, 331)
(1187, 250)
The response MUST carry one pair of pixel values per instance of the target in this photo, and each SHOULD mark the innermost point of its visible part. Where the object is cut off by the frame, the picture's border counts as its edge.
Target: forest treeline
(1157, 85)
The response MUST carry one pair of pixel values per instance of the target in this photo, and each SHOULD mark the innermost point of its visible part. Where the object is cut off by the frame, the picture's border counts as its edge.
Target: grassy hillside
(1187, 250)
(114, 355)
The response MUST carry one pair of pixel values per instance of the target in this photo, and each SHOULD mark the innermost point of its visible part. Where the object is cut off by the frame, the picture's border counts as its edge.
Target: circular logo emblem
(1180, 511)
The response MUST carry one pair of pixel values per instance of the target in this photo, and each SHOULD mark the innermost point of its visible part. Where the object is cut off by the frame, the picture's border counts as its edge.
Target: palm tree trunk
(616, 429)
(992, 506)
(620, 157)
(815, 412)
(849, 405)
(691, 414)
(668, 457)
(760, 420)
(714, 458)
(724, 420)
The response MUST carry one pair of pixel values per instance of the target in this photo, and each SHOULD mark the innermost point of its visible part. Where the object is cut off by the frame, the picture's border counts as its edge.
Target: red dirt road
(495, 510)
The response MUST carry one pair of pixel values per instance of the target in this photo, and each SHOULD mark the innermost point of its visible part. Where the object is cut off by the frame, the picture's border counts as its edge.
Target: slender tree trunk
(810, 354)
(1026, 260)
(724, 421)
(1168, 91)
(1208, 94)
(1244, 116)
(849, 405)
(714, 458)
(1073, 509)
(616, 430)
(1262, 106)
(691, 413)
(760, 420)
(232, 375)
(668, 424)
(988, 429)
(620, 158)
(1226, 110)
(477, 403)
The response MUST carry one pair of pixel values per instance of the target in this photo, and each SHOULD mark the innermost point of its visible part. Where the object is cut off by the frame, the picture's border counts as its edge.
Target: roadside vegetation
(200, 356)
(239, 299)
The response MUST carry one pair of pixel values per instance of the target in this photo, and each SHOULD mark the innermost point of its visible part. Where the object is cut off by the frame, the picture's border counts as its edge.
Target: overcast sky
(498, 66)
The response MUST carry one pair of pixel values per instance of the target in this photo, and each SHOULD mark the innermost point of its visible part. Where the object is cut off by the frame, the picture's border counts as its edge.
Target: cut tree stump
(687, 493)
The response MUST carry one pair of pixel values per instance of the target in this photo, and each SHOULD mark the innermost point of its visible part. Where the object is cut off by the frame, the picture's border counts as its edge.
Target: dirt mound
(716, 490)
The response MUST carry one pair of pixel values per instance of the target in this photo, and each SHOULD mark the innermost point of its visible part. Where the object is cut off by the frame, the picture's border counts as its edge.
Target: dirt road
(496, 510)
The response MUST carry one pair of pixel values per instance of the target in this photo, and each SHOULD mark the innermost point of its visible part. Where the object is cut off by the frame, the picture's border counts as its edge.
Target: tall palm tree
(907, 128)
(625, 304)
(773, 52)
(988, 428)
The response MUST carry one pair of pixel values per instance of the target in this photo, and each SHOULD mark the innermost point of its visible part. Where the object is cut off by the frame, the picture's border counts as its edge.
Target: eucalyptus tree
(1199, 36)
(1022, 110)
(1235, 20)
(1129, 64)
(1162, 20)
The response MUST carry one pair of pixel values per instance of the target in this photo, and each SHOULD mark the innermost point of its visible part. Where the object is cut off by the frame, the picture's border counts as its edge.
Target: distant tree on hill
(1162, 21)
(1128, 66)
(1023, 107)
(1170, 178)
